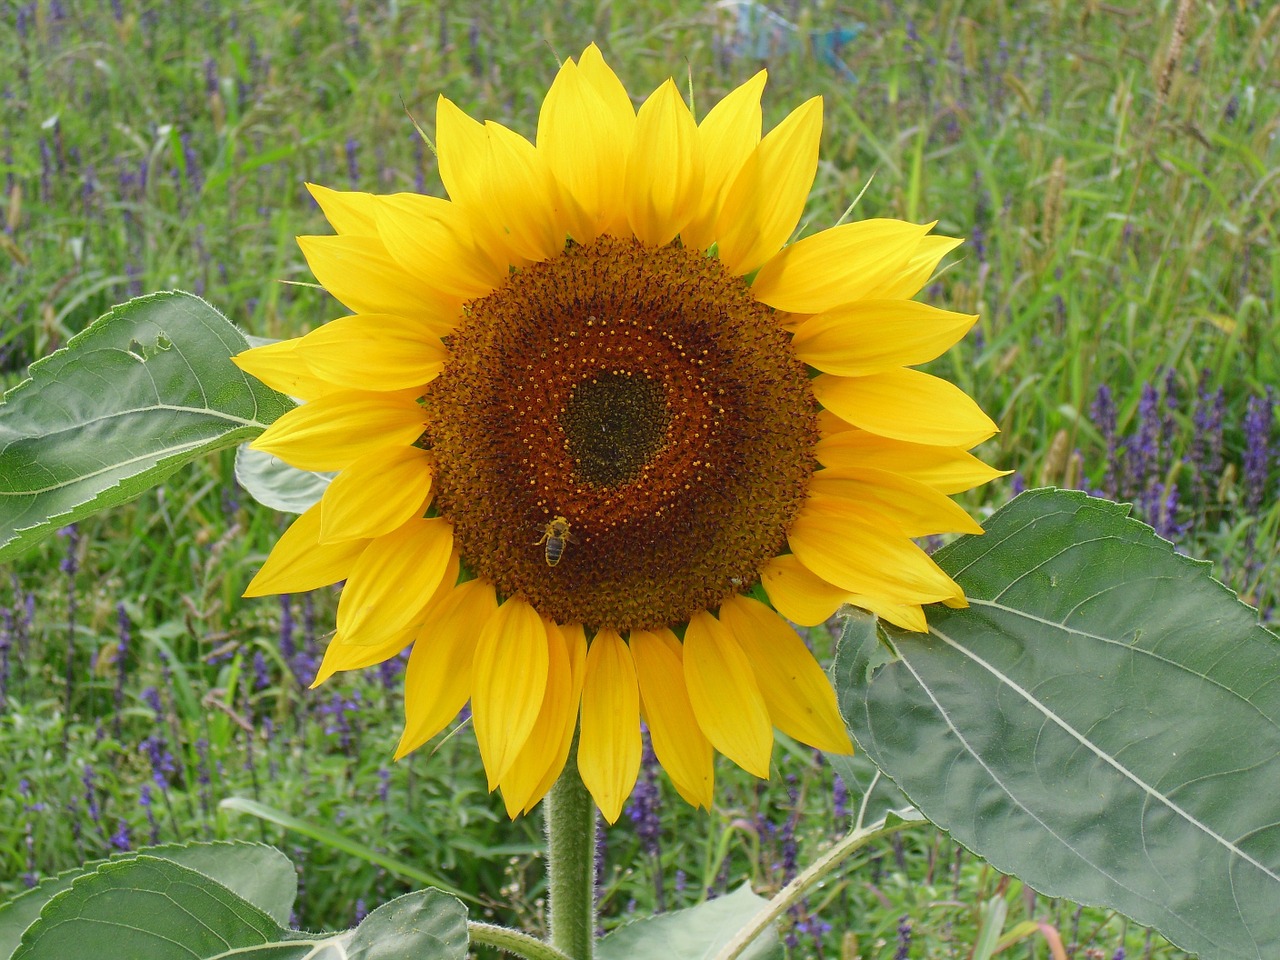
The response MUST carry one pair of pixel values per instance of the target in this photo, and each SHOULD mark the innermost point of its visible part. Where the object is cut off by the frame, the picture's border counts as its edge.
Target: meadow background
(1116, 173)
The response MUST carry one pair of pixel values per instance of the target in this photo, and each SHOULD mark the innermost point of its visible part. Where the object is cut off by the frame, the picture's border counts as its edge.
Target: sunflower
(600, 432)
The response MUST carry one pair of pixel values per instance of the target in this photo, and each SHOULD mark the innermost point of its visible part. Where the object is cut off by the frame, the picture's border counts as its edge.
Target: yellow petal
(829, 424)
(584, 132)
(461, 144)
(333, 431)
(917, 271)
(917, 509)
(799, 594)
(341, 655)
(349, 212)
(505, 185)
(728, 134)
(360, 273)
(855, 548)
(763, 206)
(509, 685)
(281, 367)
(905, 615)
(725, 696)
(527, 203)
(805, 598)
(605, 82)
(678, 742)
(576, 646)
(906, 405)
(375, 352)
(376, 494)
(432, 239)
(394, 579)
(873, 335)
(837, 266)
(437, 681)
(664, 170)
(801, 701)
(556, 718)
(609, 745)
(946, 469)
(299, 563)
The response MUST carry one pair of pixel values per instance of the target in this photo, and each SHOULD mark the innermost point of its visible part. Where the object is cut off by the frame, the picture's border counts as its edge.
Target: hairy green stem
(571, 840)
(798, 887)
(512, 941)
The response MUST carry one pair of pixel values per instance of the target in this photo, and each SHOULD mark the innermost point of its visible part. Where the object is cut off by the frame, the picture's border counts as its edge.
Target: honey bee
(555, 536)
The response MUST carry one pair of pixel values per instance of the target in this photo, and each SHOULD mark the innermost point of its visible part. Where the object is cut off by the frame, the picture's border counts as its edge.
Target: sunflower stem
(512, 941)
(571, 840)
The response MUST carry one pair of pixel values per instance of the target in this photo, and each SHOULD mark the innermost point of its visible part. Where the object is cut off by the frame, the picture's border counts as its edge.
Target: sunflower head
(598, 429)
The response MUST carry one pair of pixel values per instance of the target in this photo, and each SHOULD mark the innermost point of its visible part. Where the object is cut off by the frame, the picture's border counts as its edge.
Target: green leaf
(1102, 721)
(275, 484)
(258, 873)
(990, 926)
(153, 907)
(872, 795)
(143, 390)
(149, 907)
(427, 924)
(692, 934)
(337, 841)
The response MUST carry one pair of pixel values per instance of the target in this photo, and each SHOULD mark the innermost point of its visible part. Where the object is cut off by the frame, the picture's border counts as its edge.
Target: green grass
(1115, 235)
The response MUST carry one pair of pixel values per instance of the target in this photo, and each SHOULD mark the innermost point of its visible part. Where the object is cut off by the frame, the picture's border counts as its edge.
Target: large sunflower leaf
(693, 933)
(141, 391)
(424, 924)
(259, 873)
(275, 484)
(1103, 721)
(151, 907)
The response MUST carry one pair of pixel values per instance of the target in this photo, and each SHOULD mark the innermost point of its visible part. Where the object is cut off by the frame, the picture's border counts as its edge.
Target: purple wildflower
(122, 839)
(1206, 441)
(261, 675)
(191, 164)
(1103, 414)
(840, 798)
(1143, 454)
(163, 764)
(6, 643)
(90, 780)
(145, 801)
(644, 811)
(353, 165)
(1257, 450)
(205, 777)
(122, 654)
(904, 938)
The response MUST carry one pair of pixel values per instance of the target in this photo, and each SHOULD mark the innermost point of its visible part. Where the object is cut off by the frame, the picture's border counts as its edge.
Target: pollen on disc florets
(644, 396)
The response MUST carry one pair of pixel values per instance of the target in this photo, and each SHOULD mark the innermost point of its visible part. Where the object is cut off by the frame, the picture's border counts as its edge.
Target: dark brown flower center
(645, 397)
(614, 424)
